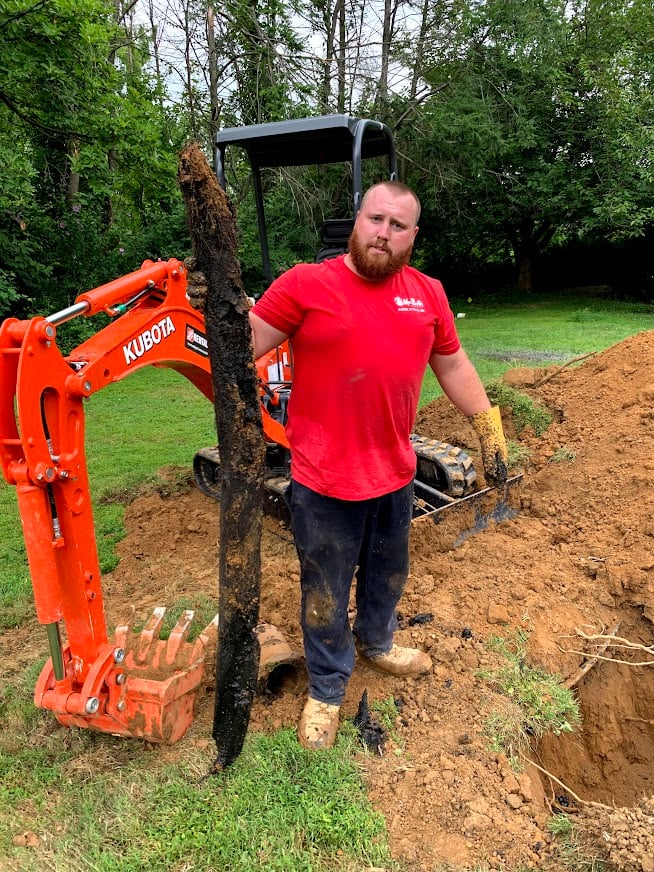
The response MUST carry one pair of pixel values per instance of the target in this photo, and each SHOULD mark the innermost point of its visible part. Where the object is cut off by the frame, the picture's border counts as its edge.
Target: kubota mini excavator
(140, 685)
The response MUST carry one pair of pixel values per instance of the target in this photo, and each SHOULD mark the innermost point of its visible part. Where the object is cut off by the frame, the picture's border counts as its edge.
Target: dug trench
(576, 562)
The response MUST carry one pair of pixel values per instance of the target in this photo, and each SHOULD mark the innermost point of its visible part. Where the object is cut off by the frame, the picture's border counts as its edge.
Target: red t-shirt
(360, 351)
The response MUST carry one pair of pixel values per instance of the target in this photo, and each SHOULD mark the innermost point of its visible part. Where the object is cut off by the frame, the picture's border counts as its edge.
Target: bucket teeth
(150, 634)
(146, 651)
(178, 636)
(206, 638)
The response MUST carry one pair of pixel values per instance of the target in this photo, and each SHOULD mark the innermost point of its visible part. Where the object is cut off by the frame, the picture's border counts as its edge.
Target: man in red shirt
(363, 328)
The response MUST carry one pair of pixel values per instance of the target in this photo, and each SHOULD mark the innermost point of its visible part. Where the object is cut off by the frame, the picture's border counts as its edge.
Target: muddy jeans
(334, 537)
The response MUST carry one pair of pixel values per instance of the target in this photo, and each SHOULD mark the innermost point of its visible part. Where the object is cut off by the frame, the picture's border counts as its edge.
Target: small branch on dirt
(611, 659)
(615, 641)
(589, 662)
(568, 790)
(288, 539)
(606, 640)
(559, 369)
(641, 721)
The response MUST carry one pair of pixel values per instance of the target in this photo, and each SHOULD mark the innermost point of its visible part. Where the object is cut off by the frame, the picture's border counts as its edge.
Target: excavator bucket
(143, 686)
(147, 687)
(163, 676)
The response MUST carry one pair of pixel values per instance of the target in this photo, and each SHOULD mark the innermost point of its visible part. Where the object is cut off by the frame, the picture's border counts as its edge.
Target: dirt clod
(623, 838)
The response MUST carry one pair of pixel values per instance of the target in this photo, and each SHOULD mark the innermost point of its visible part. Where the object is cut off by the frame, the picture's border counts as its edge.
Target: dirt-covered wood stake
(238, 420)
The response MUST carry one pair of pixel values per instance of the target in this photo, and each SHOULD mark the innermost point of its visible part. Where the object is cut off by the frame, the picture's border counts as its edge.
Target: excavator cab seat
(335, 234)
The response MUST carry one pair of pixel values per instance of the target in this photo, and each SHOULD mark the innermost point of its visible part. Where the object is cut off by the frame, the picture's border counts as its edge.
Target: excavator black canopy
(308, 142)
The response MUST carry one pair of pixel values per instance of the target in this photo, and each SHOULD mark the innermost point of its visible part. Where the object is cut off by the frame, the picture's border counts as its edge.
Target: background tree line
(524, 125)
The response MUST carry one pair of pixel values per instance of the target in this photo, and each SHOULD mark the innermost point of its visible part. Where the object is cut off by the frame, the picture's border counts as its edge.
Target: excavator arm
(134, 685)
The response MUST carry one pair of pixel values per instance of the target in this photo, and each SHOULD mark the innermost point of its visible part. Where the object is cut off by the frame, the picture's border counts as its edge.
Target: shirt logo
(409, 304)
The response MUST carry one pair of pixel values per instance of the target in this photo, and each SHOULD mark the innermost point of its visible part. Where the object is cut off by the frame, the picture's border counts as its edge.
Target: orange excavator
(138, 684)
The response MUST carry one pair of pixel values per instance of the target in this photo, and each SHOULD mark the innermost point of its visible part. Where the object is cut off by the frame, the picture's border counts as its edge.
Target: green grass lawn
(278, 807)
(540, 331)
(105, 804)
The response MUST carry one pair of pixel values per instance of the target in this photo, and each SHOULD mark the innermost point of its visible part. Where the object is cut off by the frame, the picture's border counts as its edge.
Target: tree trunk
(419, 51)
(329, 18)
(154, 42)
(382, 92)
(524, 269)
(238, 421)
(342, 37)
(188, 69)
(523, 242)
(214, 119)
(72, 189)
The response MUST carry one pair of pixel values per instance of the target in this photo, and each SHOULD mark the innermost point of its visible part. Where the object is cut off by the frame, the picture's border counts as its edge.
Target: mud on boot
(318, 725)
(398, 661)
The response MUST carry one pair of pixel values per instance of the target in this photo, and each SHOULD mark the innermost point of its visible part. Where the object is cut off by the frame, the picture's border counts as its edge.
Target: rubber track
(206, 471)
(444, 466)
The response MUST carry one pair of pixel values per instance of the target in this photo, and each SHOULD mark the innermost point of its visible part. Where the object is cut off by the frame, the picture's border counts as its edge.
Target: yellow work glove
(488, 426)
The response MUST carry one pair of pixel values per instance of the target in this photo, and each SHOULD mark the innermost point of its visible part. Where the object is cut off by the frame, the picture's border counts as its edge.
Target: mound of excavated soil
(578, 557)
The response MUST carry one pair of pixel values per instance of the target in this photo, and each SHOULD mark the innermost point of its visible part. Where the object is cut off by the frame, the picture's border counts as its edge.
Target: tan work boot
(399, 661)
(318, 725)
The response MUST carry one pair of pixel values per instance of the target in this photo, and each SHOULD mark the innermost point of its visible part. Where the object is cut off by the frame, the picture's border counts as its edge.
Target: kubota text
(145, 341)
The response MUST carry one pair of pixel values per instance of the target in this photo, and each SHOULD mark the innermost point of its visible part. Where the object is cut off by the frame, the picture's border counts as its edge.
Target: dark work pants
(334, 537)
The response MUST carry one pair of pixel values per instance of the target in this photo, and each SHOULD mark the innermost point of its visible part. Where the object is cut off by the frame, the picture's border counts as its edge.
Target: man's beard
(376, 267)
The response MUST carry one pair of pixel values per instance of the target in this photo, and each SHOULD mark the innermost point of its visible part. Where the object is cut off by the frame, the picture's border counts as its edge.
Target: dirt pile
(623, 838)
(577, 559)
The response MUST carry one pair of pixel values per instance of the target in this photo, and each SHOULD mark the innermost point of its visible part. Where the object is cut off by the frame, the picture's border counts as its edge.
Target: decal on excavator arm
(146, 340)
(196, 341)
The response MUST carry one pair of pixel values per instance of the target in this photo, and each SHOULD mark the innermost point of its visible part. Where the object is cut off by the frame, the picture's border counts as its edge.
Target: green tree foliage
(544, 129)
(88, 160)
(525, 125)
(267, 72)
(616, 62)
(265, 79)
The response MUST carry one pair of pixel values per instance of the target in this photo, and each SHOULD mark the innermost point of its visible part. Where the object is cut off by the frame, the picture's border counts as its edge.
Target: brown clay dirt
(578, 556)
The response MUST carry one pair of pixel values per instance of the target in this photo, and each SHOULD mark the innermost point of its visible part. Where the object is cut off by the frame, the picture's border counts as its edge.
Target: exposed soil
(578, 556)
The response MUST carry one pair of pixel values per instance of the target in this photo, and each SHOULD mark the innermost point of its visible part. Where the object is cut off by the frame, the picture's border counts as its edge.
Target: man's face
(382, 240)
